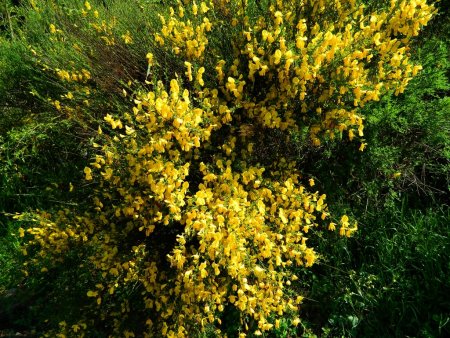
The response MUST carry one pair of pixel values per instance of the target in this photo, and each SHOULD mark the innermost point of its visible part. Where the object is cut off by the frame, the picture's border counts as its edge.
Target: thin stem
(9, 20)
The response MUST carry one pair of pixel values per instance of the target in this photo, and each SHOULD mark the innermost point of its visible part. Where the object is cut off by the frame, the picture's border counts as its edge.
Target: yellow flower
(57, 104)
(278, 18)
(189, 70)
(203, 7)
(174, 87)
(127, 38)
(107, 174)
(282, 216)
(92, 293)
(199, 76)
(376, 39)
(351, 134)
(194, 8)
(88, 173)
(277, 56)
(149, 58)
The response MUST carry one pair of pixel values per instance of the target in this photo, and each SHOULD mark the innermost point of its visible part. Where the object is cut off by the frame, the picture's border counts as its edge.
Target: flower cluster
(182, 205)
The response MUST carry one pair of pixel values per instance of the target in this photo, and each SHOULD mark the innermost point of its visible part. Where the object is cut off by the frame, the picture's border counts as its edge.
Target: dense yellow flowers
(183, 206)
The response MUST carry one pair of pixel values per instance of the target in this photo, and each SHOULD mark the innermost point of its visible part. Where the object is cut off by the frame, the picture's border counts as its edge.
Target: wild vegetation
(224, 168)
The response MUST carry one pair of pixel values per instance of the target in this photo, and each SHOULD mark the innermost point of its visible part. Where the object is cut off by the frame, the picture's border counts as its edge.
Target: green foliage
(8, 256)
(391, 282)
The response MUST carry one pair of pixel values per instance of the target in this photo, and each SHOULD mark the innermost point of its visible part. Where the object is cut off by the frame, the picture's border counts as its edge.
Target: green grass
(391, 280)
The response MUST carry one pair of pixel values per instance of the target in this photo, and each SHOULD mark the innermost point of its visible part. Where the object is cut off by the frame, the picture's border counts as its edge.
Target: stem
(9, 20)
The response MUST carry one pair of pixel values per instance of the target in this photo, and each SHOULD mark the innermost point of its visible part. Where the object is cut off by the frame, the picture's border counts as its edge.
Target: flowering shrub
(186, 207)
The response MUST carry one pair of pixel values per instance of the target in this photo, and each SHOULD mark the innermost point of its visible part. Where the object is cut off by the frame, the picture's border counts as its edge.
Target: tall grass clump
(389, 281)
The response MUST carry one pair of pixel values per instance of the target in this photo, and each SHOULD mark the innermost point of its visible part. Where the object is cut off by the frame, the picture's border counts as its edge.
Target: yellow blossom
(127, 38)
